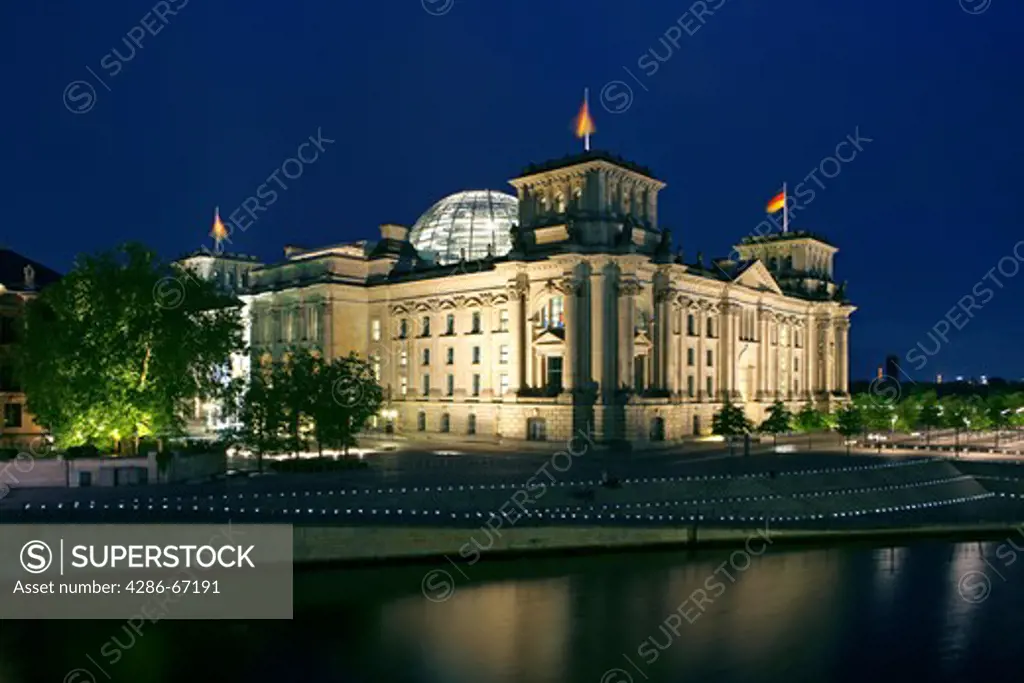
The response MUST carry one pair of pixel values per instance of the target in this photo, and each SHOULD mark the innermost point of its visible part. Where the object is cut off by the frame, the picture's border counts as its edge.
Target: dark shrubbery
(8, 454)
(296, 465)
(86, 451)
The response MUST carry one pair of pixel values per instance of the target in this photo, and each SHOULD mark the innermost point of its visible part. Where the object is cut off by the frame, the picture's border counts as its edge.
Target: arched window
(421, 421)
(552, 315)
(446, 422)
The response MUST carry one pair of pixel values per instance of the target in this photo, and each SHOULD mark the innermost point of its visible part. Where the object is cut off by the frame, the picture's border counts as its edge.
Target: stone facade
(590, 321)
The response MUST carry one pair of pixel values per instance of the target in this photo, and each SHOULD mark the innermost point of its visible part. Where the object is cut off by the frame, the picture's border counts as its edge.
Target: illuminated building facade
(21, 279)
(576, 312)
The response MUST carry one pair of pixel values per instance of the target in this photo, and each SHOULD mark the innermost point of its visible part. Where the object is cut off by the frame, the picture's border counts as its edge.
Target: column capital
(629, 288)
(568, 284)
(517, 288)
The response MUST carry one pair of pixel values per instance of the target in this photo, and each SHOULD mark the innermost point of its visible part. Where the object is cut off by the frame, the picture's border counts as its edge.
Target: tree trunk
(775, 440)
(928, 437)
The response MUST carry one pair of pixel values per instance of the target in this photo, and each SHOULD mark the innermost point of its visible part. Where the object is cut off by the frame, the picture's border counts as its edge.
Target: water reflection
(825, 615)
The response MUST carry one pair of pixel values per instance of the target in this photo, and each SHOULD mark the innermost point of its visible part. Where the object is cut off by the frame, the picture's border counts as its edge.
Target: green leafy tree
(808, 420)
(908, 412)
(778, 421)
(261, 414)
(849, 422)
(956, 415)
(117, 349)
(731, 422)
(999, 411)
(357, 396)
(930, 416)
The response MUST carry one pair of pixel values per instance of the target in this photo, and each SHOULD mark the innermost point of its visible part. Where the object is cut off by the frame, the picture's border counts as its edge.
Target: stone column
(701, 314)
(810, 351)
(775, 328)
(663, 342)
(844, 356)
(725, 351)
(762, 355)
(628, 290)
(792, 358)
(597, 329)
(516, 322)
(570, 289)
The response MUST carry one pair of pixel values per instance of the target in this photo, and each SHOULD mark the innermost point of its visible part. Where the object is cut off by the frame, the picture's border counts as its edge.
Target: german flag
(777, 203)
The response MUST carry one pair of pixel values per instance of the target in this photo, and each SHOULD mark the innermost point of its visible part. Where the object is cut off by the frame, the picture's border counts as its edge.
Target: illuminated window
(502, 385)
(403, 358)
(375, 366)
(553, 314)
(503, 320)
(375, 330)
(503, 354)
(403, 386)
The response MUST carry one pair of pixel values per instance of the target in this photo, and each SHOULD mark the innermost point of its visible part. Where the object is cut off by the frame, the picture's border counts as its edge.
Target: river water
(933, 611)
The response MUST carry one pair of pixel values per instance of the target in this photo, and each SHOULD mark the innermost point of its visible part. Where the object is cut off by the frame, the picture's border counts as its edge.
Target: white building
(531, 316)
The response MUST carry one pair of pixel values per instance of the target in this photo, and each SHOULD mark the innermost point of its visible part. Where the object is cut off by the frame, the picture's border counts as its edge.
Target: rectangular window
(711, 358)
(502, 385)
(12, 415)
(403, 386)
(711, 327)
(711, 387)
(426, 356)
(476, 385)
(503, 354)
(796, 365)
(689, 386)
(375, 330)
(555, 372)
(449, 387)
(476, 355)
(403, 328)
(796, 386)
(426, 385)
(375, 367)
(449, 324)
(425, 326)
(691, 327)
(403, 358)
(449, 356)
(503, 320)
(690, 357)
(476, 322)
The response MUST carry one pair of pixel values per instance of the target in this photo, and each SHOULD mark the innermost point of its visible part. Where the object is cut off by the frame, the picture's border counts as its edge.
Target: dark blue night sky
(421, 105)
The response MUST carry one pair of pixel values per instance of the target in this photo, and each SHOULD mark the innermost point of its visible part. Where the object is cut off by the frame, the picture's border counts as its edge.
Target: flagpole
(785, 210)
(586, 107)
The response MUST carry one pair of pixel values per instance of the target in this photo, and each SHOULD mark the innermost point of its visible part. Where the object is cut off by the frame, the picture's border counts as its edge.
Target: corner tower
(590, 202)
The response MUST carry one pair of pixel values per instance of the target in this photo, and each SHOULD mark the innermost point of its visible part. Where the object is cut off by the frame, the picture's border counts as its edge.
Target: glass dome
(469, 221)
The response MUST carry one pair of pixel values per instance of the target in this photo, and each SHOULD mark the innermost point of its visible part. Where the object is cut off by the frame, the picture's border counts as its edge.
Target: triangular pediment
(641, 339)
(550, 338)
(757, 276)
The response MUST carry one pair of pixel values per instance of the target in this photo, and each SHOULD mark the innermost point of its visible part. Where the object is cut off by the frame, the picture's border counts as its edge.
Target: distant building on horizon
(892, 367)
